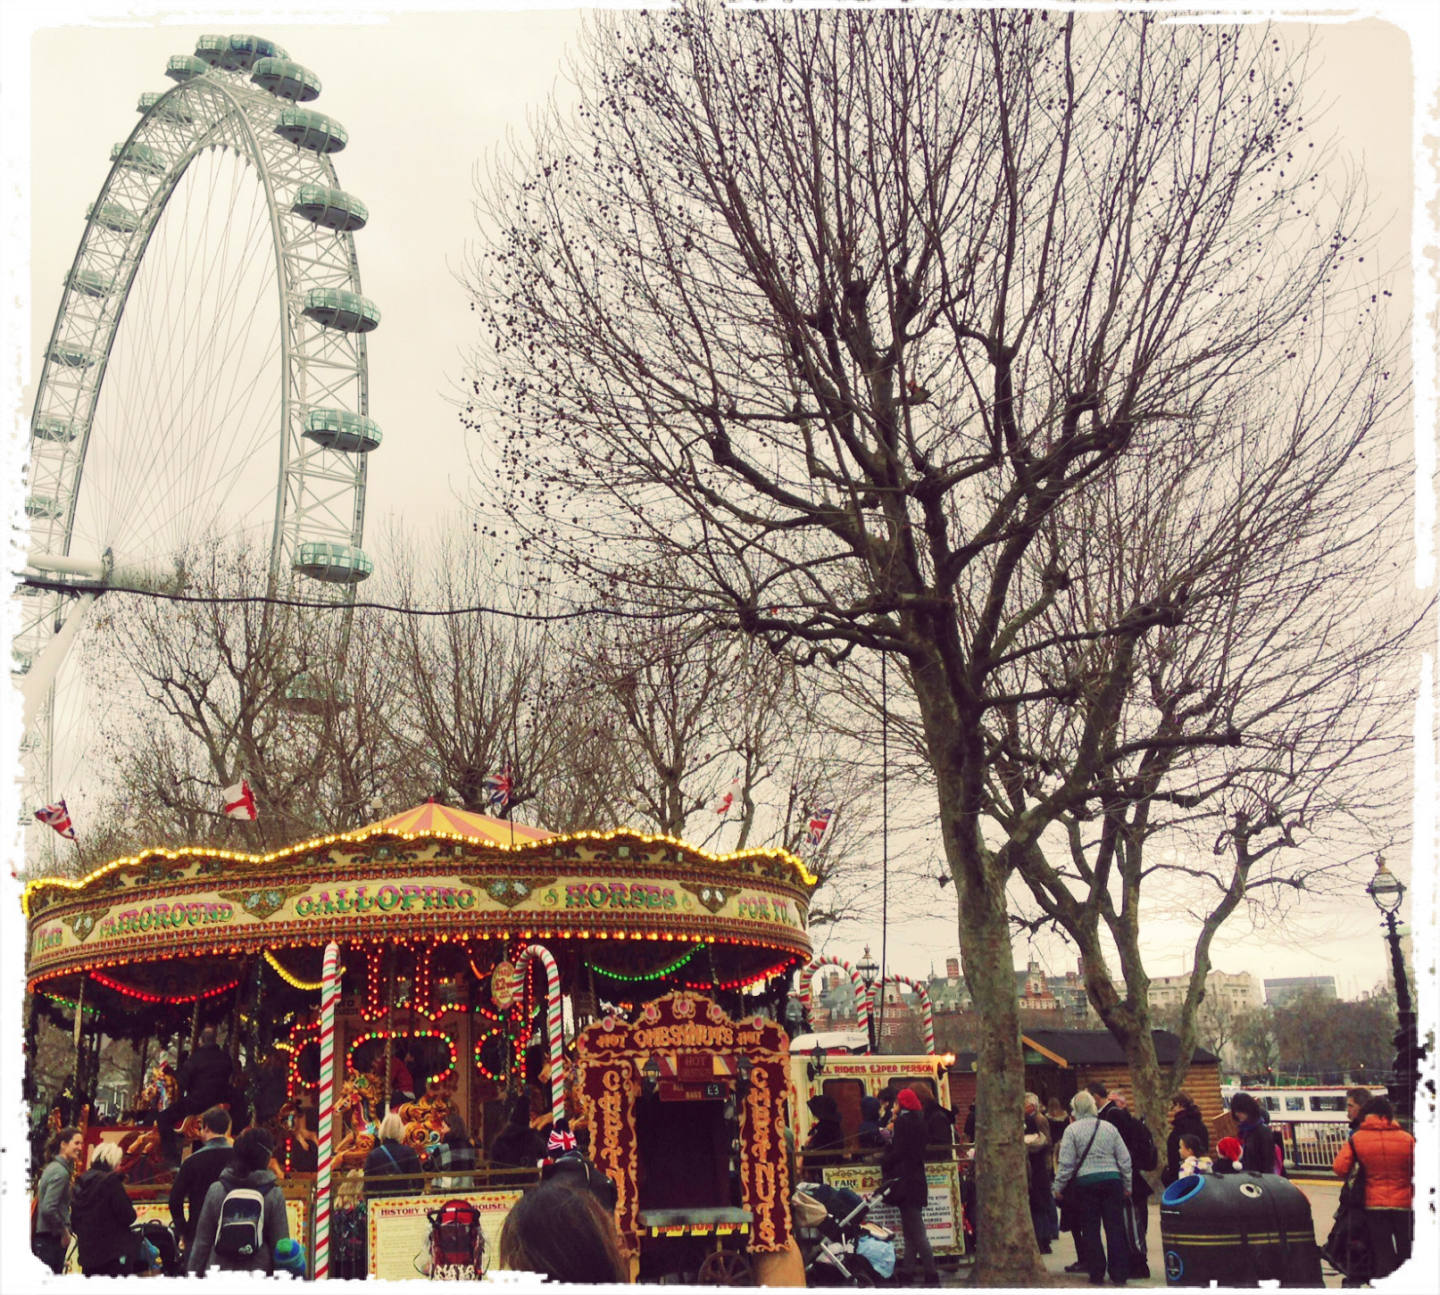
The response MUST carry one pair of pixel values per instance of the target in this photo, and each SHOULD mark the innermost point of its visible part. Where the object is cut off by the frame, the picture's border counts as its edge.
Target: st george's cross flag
(240, 801)
(819, 825)
(58, 817)
(728, 798)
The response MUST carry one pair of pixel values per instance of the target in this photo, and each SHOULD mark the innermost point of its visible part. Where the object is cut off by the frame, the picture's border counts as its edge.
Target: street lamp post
(1387, 890)
(868, 971)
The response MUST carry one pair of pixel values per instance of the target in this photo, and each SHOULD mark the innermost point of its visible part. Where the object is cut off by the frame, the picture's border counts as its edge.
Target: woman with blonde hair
(101, 1214)
(393, 1155)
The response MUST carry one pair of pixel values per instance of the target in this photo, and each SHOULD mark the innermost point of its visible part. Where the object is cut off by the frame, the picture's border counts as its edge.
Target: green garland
(657, 974)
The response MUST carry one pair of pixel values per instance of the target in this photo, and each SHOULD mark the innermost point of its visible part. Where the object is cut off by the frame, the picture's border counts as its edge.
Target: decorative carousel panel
(380, 886)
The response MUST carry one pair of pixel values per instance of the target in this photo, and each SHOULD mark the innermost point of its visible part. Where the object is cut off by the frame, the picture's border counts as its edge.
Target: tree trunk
(1007, 1254)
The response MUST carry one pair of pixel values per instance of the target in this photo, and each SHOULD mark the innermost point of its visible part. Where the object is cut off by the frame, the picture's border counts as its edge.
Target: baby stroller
(166, 1260)
(839, 1246)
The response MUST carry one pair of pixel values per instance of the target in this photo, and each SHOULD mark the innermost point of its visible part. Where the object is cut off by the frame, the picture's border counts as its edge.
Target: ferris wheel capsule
(139, 157)
(114, 217)
(339, 429)
(286, 79)
(306, 128)
(184, 67)
(347, 311)
(332, 562)
(92, 283)
(70, 357)
(52, 428)
(241, 52)
(332, 208)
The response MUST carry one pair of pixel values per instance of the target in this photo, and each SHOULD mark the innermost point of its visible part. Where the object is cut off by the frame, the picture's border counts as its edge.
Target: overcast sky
(426, 99)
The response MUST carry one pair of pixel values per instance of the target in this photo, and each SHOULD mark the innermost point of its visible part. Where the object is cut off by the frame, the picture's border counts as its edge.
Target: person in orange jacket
(1387, 1155)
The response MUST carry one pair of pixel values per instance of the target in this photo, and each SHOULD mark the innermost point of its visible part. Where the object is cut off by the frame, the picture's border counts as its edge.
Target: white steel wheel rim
(183, 466)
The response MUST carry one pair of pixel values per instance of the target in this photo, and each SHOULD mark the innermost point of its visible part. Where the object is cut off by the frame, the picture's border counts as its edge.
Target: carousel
(441, 961)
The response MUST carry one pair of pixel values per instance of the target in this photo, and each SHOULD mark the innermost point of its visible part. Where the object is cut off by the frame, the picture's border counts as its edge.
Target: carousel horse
(357, 1113)
(425, 1120)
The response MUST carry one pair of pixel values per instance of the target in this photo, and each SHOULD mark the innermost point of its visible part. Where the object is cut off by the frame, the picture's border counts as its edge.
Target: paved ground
(1324, 1197)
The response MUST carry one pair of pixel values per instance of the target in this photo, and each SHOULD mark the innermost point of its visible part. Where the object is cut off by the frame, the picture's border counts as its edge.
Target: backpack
(1139, 1141)
(457, 1245)
(240, 1234)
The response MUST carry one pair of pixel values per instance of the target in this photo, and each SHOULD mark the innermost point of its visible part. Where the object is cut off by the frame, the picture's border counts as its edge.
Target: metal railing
(1312, 1146)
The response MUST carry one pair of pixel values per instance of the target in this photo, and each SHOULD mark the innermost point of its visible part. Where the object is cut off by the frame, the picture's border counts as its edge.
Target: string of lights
(288, 977)
(658, 974)
(497, 1032)
(70, 1003)
(145, 996)
(382, 1035)
(746, 981)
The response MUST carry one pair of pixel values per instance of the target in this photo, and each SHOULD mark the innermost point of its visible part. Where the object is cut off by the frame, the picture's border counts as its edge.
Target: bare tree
(212, 691)
(484, 690)
(1270, 719)
(834, 327)
(715, 739)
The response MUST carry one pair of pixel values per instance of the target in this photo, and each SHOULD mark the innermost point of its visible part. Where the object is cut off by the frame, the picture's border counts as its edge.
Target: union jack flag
(819, 825)
(58, 817)
(501, 787)
(561, 1139)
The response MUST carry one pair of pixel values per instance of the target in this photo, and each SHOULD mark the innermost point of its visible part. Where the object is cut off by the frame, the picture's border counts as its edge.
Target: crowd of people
(1099, 1184)
(1086, 1172)
(564, 1227)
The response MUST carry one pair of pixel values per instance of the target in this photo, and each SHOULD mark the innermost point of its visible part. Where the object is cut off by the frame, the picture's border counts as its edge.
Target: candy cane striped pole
(927, 1012)
(329, 997)
(552, 1025)
(862, 999)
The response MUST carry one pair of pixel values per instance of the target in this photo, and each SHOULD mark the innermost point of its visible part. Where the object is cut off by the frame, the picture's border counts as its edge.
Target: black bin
(1238, 1230)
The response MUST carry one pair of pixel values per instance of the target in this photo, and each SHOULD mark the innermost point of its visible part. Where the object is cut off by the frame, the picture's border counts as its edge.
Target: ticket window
(683, 1153)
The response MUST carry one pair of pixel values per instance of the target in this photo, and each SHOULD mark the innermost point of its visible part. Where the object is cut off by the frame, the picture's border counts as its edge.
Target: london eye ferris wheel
(206, 372)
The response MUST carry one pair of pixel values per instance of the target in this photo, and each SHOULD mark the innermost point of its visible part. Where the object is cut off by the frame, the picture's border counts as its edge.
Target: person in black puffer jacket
(564, 1162)
(1256, 1139)
(1185, 1118)
(517, 1145)
(249, 1167)
(904, 1162)
(101, 1214)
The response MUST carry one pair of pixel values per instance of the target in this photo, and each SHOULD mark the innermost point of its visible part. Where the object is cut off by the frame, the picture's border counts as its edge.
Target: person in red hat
(904, 1162)
(1228, 1152)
